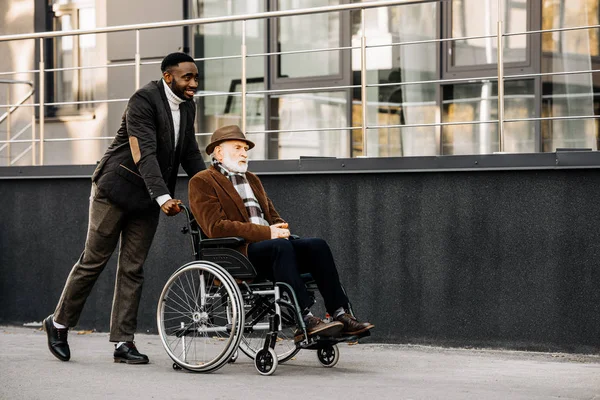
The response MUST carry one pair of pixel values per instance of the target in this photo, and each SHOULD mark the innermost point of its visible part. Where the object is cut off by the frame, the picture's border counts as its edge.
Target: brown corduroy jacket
(220, 211)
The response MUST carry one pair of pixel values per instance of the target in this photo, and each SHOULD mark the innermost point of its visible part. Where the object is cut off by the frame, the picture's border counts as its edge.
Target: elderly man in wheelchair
(246, 237)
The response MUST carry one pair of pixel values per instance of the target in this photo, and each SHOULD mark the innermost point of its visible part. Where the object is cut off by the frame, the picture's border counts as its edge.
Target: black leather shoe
(57, 340)
(128, 353)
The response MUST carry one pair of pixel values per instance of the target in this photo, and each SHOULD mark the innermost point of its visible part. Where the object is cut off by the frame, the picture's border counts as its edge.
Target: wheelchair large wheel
(257, 325)
(199, 316)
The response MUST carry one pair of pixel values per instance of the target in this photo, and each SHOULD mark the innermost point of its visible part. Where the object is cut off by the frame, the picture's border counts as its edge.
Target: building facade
(431, 76)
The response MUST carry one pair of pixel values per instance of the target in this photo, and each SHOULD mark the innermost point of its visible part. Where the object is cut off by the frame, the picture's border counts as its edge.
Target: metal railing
(244, 93)
(6, 117)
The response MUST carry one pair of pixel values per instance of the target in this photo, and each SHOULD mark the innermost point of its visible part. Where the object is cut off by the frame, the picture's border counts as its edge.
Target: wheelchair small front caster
(328, 356)
(234, 357)
(265, 361)
(176, 367)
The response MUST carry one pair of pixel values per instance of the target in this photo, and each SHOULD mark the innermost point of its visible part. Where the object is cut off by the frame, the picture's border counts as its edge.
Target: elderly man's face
(233, 154)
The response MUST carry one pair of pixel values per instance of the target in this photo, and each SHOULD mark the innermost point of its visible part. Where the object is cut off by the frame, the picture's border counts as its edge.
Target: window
(73, 85)
(572, 95)
(310, 32)
(479, 56)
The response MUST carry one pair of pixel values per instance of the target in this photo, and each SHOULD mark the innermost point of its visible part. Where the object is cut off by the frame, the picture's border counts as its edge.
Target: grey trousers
(108, 223)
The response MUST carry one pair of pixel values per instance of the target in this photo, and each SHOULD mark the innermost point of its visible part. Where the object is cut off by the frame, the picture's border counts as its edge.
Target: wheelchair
(214, 306)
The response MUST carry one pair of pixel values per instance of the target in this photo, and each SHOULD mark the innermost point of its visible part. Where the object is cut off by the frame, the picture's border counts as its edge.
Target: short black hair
(174, 59)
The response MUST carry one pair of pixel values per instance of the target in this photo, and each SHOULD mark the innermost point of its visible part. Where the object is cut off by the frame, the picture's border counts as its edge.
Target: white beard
(232, 166)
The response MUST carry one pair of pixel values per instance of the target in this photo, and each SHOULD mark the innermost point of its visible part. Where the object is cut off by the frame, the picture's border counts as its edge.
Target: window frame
(279, 82)
(533, 48)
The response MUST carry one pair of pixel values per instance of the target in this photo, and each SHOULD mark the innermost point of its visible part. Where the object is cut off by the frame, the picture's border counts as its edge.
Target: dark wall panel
(501, 258)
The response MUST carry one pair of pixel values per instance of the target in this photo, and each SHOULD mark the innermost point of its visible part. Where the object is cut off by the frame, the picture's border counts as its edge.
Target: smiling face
(182, 79)
(233, 154)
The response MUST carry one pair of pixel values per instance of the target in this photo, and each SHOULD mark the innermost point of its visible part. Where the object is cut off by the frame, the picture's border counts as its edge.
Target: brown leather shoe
(352, 326)
(316, 326)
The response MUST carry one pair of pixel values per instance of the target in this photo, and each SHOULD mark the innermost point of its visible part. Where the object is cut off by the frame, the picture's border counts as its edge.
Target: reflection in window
(479, 102)
(572, 95)
(305, 32)
(312, 111)
(223, 76)
(479, 17)
(74, 51)
(397, 104)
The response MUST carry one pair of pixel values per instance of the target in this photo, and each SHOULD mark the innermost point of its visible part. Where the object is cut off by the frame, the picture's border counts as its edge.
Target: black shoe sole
(54, 353)
(123, 360)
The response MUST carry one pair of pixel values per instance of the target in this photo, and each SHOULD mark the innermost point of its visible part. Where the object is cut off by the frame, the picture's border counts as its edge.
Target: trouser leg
(103, 233)
(314, 256)
(277, 260)
(136, 238)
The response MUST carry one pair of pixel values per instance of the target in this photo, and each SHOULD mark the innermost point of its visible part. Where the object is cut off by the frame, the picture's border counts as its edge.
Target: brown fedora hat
(229, 132)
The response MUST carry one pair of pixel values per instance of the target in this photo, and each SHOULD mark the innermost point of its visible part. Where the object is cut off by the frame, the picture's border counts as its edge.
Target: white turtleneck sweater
(174, 102)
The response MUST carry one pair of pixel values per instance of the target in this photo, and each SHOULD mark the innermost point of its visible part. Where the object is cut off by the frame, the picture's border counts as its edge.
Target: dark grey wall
(494, 258)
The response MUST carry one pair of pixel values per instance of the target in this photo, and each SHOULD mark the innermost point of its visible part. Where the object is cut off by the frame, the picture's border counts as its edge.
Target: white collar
(174, 100)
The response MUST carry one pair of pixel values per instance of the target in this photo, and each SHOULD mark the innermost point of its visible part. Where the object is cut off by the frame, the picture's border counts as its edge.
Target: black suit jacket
(148, 117)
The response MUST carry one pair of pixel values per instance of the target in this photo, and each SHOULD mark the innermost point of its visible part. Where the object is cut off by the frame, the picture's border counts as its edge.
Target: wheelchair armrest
(231, 242)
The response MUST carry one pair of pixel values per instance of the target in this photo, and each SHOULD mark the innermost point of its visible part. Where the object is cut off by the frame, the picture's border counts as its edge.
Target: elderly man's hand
(171, 207)
(280, 231)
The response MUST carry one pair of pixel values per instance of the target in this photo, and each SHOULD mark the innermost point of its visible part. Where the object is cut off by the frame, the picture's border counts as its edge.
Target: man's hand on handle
(171, 207)
(280, 231)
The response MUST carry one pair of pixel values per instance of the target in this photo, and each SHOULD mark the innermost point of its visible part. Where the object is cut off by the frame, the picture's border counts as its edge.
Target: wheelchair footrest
(318, 342)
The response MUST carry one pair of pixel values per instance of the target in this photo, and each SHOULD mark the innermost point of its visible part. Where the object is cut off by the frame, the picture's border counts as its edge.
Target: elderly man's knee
(282, 245)
(319, 243)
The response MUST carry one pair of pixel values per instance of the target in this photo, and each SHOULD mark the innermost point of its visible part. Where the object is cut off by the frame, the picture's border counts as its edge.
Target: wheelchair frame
(210, 301)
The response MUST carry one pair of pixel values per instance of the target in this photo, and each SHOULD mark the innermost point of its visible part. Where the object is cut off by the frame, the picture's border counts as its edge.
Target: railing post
(42, 95)
(244, 56)
(33, 145)
(8, 123)
(363, 79)
(137, 59)
(500, 81)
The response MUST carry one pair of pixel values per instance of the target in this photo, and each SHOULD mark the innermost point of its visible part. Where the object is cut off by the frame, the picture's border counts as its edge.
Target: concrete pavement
(365, 371)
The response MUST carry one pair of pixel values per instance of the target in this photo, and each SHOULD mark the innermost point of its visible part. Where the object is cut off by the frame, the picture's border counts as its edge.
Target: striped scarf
(241, 185)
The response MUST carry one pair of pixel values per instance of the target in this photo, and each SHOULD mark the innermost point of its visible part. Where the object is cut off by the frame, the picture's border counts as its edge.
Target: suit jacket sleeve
(141, 123)
(210, 212)
(191, 158)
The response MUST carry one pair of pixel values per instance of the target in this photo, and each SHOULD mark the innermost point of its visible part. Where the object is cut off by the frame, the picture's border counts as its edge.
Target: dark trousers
(284, 260)
(108, 224)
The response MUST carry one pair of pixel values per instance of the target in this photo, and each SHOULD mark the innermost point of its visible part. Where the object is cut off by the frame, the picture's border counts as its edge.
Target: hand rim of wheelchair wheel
(265, 361)
(328, 356)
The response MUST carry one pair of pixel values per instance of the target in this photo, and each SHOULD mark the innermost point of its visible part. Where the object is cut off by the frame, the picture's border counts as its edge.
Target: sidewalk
(29, 371)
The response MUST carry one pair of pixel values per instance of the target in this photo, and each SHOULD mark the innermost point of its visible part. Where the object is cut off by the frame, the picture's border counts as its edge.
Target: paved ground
(29, 371)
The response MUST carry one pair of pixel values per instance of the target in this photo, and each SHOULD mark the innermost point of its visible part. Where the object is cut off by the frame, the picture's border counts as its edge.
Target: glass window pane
(479, 102)
(570, 95)
(566, 14)
(480, 17)
(308, 111)
(397, 103)
(309, 32)
(219, 76)
(64, 59)
(87, 54)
